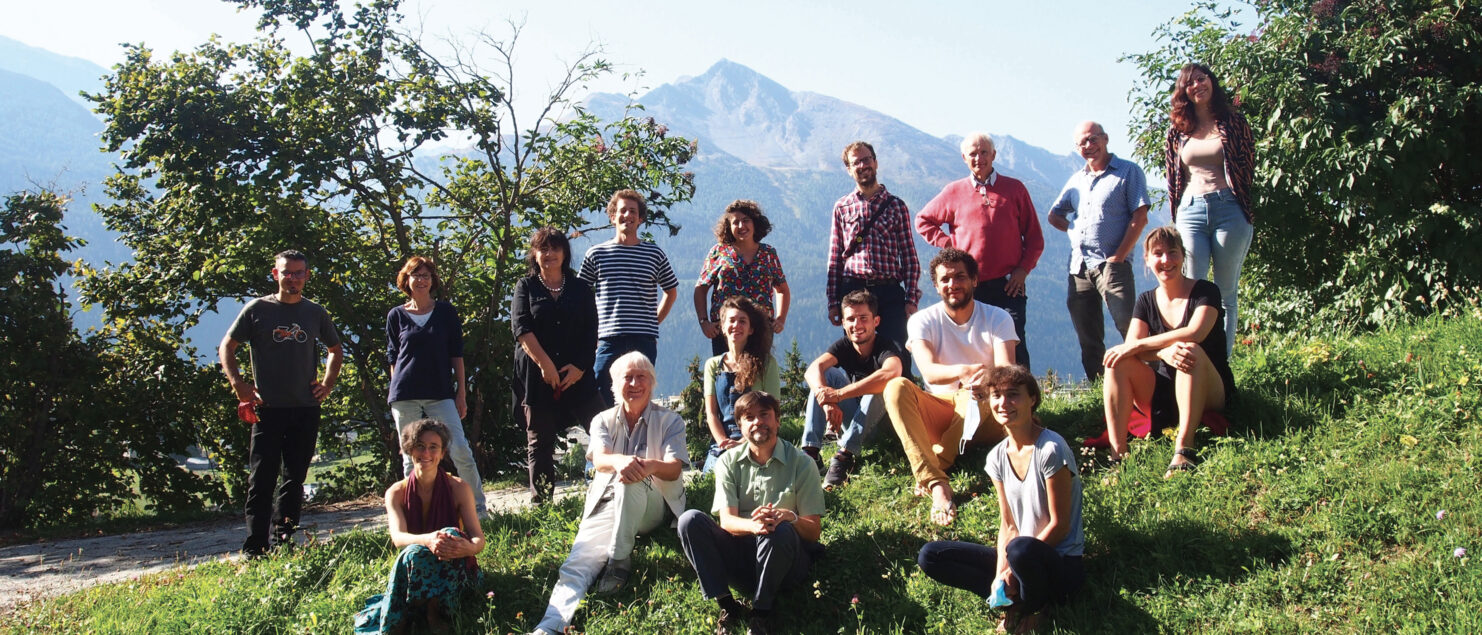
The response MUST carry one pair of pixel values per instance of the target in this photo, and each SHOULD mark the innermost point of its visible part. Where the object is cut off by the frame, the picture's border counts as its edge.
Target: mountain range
(757, 139)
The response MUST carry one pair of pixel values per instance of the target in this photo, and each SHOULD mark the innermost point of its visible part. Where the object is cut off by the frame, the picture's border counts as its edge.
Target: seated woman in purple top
(554, 316)
(1178, 328)
(424, 345)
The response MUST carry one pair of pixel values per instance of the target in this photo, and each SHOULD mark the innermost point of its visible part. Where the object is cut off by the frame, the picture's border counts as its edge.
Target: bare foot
(943, 510)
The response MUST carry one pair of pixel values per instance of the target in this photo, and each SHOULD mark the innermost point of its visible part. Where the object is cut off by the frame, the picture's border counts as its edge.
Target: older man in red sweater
(990, 216)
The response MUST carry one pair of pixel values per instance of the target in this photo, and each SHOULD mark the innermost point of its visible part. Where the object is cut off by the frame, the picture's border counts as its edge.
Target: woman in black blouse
(554, 315)
(1179, 329)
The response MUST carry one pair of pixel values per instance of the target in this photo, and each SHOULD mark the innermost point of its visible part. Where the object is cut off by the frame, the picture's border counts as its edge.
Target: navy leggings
(1044, 575)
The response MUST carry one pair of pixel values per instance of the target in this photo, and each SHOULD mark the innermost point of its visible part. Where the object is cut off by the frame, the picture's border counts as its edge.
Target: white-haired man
(991, 217)
(639, 451)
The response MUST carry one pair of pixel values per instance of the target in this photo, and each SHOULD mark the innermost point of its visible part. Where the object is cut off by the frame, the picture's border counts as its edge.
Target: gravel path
(48, 568)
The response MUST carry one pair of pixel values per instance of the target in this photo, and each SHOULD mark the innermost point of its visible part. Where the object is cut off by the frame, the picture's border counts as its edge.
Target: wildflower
(1247, 341)
(489, 595)
(854, 601)
(1461, 552)
(1441, 515)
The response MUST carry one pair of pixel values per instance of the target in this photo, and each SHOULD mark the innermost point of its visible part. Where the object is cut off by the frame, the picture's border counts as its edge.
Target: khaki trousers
(930, 427)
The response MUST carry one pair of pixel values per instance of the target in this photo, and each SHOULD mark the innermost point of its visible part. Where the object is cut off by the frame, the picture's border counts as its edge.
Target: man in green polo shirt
(770, 504)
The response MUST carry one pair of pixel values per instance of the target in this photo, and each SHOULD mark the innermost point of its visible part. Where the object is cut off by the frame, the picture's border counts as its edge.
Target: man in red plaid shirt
(870, 247)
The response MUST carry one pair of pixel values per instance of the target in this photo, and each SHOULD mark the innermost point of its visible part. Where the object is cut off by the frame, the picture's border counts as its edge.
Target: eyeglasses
(421, 276)
(294, 275)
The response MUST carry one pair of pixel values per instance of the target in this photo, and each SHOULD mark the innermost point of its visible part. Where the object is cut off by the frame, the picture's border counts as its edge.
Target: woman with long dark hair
(1178, 328)
(1210, 163)
(554, 316)
(740, 264)
(746, 365)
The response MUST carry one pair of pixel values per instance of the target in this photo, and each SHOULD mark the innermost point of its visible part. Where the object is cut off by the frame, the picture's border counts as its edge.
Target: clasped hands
(768, 516)
(562, 379)
(447, 546)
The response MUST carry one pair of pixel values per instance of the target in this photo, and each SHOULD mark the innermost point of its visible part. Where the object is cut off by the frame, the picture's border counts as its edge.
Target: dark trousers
(764, 564)
(1044, 575)
(542, 425)
(1111, 283)
(281, 437)
(611, 348)
(991, 292)
(892, 299)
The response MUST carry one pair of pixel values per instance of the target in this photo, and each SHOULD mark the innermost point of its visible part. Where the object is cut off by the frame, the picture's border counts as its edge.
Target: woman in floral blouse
(741, 265)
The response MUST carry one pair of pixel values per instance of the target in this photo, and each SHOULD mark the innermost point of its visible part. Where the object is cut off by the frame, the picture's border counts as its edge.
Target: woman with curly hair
(746, 365)
(1210, 163)
(740, 264)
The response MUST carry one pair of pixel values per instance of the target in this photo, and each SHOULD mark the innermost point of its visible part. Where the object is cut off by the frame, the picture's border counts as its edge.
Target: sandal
(1191, 464)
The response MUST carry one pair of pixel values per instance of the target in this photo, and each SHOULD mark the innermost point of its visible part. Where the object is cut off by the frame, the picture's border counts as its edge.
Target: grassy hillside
(1321, 512)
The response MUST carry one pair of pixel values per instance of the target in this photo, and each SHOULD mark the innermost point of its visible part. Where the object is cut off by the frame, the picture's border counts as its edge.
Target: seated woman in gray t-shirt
(1038, 555)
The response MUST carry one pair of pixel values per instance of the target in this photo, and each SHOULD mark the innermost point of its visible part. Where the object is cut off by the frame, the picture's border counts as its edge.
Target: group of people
(586, 342)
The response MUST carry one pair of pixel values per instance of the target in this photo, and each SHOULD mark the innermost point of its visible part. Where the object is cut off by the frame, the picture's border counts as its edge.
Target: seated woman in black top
(1178, 328)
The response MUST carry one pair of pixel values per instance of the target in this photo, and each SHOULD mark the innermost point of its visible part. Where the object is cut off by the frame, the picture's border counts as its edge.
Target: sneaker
(614, 576)
(839, 468)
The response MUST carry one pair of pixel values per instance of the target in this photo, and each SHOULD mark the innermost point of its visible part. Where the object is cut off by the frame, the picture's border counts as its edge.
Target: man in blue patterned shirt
(870, 246)
(1104, 208)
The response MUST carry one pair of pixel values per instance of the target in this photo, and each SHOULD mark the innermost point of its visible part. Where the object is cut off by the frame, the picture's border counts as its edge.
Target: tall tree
(232, 152)
(1368, 197)
(88, 421)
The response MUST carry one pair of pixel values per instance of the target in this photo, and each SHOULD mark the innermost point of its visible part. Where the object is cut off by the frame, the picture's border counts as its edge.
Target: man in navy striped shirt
(627, 274)
(1103, 207)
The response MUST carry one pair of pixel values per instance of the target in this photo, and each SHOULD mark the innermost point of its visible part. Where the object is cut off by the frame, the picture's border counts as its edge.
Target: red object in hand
(247, 411)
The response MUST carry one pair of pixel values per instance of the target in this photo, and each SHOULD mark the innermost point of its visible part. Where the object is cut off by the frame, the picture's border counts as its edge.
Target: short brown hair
(1003, 378)
(862, 297)
(760, 225)
(404, 277)
(632, 195)
(857, 145)
(291, 254)
(415, 429)
(757, 398)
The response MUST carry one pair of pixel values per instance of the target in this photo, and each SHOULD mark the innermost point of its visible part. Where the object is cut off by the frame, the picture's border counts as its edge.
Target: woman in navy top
(424, 345)
(554, 316)
(1179, 329)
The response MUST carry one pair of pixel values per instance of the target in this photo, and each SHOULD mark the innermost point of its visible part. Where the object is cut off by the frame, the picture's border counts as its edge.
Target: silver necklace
(557, 290)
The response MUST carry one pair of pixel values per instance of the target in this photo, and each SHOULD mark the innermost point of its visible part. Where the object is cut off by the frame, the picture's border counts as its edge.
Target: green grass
(1318, 513)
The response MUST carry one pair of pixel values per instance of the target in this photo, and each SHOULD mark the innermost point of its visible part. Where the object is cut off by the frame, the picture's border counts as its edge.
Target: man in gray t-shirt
(283, 332)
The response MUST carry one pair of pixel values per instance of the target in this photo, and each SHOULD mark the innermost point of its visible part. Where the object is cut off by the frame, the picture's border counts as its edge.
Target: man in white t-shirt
(955, 344)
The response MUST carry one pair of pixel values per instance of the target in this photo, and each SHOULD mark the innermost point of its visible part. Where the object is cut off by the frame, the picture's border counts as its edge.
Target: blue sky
(1029, 69)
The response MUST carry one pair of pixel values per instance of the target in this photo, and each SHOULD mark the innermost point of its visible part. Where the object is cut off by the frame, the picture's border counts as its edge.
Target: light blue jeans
(409, 410)
(856, 409)
(1216, 233)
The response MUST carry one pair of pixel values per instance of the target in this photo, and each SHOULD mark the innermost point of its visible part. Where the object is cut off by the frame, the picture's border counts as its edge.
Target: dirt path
(48, 568)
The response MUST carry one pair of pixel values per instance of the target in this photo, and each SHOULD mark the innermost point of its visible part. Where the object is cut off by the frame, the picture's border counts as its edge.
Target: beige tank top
(1205, 159)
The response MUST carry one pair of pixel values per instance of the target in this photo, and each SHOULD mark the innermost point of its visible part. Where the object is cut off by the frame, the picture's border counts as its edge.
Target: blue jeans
(1216, 233)
(611, 348)
(409, 410)
(855, 410)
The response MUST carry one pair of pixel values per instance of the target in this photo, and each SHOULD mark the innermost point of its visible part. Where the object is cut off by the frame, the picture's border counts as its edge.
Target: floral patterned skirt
(417, 576)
